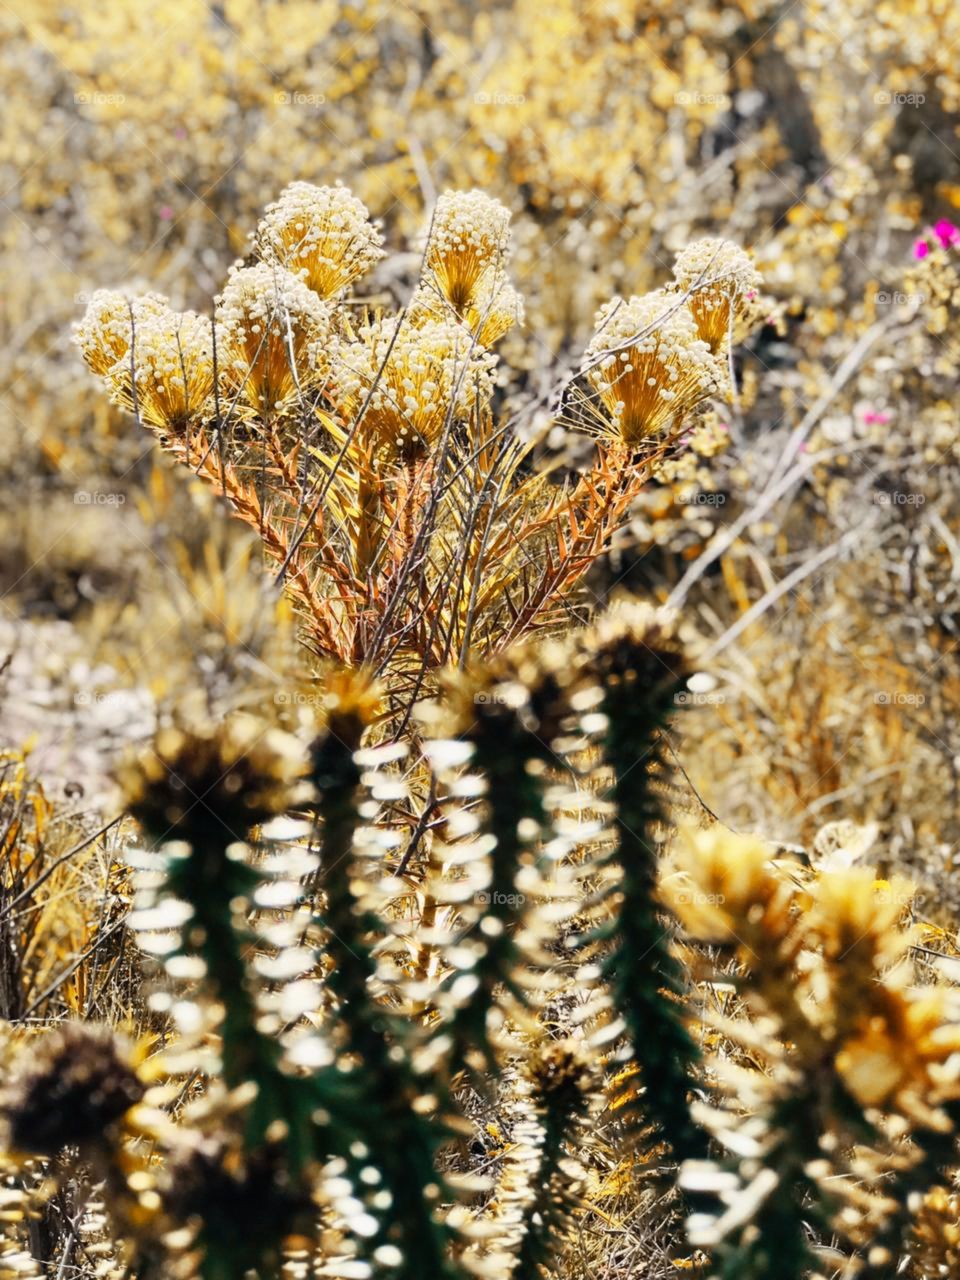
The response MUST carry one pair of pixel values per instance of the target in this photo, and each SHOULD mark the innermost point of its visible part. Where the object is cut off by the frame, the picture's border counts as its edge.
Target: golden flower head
(906, 1043)
(724, 289)
(648, 365)
(172, 364)
(563, 1072)
(417, 377)
(111, 318)
(273, 336)
(494, 311)
(75, 1084)
(322, 234)
(468, 241)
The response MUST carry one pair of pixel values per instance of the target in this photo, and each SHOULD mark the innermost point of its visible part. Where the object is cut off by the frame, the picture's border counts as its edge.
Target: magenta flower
(920, 248)
(946, 233)
(872, 416)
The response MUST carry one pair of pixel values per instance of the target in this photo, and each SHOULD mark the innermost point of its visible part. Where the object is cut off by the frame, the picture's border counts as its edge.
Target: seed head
(722, 280)
(648, 366)
(173, 365)
(112, 315)
(322, 234)
(496, 308)
(468, 241)
(273, 336)
(417, 379)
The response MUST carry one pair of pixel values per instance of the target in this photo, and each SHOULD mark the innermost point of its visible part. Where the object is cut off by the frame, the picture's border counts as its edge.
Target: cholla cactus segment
(414, 379)
(75, 1084)
(111, 319)
(648, 365)
(525, 688)
(273, 335)
(468, 241)
(724, 288)
(226, 777)
(172, 368)
(322, 234)
(564, 1083)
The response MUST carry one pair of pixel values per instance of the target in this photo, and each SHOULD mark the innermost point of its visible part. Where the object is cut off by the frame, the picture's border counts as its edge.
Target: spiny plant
(454, 891)
(278, 987)
(314, 1075)
(838, 1076)
(408, 522)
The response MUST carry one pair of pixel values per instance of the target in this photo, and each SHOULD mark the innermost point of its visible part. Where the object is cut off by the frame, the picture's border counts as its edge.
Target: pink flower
(723, 426)
(946, 233)
(180, 132)
(920, 248)
(166, 213)
(872, 416)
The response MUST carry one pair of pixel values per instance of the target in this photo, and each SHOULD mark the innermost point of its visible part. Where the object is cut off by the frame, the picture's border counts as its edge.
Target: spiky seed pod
(111, 319)
(524, 689)
(273, 338)
(468, 241)
(724, 286)
(322, 234)
(74, 1085)
(415, 380)
(212, 783)
(632, 656)
(648, 365)
(167, 379)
